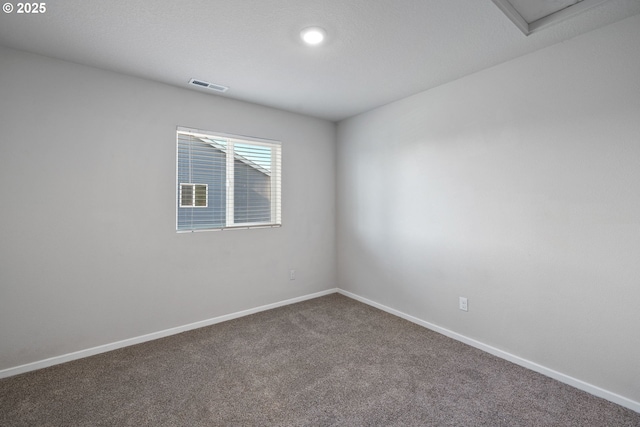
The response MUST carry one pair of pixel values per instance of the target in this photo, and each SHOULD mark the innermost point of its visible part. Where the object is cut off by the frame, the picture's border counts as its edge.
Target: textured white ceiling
(377, 51)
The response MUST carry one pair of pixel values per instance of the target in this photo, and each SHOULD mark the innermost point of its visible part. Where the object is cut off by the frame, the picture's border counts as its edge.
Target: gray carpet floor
(330, 361)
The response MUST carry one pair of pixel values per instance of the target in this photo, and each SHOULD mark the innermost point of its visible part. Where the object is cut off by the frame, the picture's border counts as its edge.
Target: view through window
(226, 181)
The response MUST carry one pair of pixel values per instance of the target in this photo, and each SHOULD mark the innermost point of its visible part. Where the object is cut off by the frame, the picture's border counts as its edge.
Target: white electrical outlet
(463, 304)
(292, 275)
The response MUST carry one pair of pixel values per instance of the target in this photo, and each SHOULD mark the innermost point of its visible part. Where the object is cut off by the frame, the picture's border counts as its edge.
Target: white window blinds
(226, 181)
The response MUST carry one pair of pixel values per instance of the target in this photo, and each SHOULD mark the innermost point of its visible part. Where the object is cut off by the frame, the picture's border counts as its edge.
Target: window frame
(231, 140)
(193, 195)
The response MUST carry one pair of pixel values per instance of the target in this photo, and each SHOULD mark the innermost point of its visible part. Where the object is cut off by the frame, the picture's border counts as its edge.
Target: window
(226, 181)
(193, 195)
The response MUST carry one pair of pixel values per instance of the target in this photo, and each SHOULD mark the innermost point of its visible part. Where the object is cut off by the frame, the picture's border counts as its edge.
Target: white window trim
(276, 184)
(193, 195)
(230, 184)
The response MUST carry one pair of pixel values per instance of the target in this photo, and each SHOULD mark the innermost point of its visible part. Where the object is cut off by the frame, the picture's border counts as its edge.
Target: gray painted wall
(89, 254)
(519, 188)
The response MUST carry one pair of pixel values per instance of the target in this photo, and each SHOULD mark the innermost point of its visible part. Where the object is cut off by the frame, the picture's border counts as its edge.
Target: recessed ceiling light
(313, 35)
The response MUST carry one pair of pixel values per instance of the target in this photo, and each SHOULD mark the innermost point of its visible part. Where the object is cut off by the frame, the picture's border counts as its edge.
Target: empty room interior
(335, 212)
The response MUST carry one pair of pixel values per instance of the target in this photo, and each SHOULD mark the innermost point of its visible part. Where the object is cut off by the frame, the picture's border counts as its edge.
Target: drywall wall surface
(518, 188)
(89, 254)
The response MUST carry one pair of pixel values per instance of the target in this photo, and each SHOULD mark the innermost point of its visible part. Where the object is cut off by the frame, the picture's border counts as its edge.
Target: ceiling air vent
(207, 85)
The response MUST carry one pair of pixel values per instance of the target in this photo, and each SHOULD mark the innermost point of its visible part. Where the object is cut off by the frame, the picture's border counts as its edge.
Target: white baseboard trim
(574, 382)
(9, 372)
